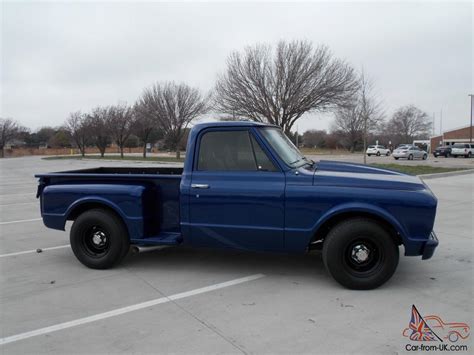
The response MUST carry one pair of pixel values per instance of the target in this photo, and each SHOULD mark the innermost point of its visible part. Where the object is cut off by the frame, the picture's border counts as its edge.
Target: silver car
(410, 153)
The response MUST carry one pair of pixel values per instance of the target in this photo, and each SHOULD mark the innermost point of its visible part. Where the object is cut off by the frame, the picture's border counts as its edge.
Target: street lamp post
(470, 127)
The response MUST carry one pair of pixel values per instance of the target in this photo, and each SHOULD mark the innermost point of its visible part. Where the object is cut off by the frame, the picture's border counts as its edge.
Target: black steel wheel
(99, 239)
(360, 254)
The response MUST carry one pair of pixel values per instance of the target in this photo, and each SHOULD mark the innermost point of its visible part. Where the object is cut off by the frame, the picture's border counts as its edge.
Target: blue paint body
(283, 211)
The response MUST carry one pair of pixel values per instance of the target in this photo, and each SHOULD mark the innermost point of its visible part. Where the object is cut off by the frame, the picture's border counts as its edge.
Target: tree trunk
(178, 154)
(2, 152)
(365, 140)
(121, 152)
(144, 150)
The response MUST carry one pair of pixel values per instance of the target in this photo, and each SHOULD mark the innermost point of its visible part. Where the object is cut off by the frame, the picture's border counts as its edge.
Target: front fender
(360, 207)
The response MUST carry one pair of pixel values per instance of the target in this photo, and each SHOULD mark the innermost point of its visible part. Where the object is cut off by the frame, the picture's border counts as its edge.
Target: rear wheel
(99, 239)
(410, 157)
(468, 155)
(388, 153)
(378, 154)
(396, 158)
(369, 155)
(360, 254)
(425, 156)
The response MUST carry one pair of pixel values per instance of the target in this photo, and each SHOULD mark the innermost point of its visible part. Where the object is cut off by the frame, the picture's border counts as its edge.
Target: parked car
(410, 153)
(377, 150)
(245, 186)
(462, 149)
(444, 151)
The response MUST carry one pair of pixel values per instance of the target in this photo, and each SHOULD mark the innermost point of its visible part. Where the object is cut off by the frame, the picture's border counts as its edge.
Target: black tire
(369, 155)
(351, 235)
(378, 154)
(468, 155)
(410, 157)
(396, 158)
(387, 154)
(99, 239)
(425, 156)
(455, 156)
(446, 155)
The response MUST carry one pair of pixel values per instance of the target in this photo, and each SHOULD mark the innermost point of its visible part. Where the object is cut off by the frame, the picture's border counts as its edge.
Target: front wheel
(468, 155)
(425, 156)
(360, 254)
(369, 155)
(99, 239)
(410, 157)
(387, 154)
(378, 154)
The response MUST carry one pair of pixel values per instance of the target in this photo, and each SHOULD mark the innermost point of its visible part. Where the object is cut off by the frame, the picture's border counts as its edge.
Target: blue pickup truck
(245, 186)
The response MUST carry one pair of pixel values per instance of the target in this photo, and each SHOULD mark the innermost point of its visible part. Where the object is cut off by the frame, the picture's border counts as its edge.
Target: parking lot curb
(447, 174)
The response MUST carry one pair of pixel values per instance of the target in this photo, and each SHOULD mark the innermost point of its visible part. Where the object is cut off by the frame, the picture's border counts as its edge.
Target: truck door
(237, 192)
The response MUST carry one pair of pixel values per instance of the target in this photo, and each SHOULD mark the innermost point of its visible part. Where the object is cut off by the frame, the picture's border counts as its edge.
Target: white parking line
(25, 194)
(21, 221)
(33, 251)
(19, 203)
(120, 311)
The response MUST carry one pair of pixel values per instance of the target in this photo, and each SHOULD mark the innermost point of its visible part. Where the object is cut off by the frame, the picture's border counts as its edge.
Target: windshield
(283, 147)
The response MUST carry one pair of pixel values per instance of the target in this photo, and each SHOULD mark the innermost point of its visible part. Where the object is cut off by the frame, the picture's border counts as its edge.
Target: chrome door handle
(200, 186)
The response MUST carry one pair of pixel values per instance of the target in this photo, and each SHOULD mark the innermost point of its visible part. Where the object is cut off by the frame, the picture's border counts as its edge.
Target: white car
(409, 152)
(377, 150)
(462, 149)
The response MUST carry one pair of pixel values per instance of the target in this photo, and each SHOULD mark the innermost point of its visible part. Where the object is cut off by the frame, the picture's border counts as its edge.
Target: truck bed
(103, 171)
(154, 211)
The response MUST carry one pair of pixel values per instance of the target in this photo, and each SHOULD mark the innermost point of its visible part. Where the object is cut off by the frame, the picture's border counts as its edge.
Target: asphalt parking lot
(207, 301)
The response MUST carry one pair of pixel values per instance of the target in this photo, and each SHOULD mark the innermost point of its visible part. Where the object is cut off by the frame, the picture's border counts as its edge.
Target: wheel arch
(335, 216)
(83, 205)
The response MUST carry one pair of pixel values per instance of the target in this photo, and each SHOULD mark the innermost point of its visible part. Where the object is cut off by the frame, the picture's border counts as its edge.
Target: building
(459, 135)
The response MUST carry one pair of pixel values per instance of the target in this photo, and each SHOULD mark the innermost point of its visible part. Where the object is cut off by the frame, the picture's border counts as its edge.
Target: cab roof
(200, 126)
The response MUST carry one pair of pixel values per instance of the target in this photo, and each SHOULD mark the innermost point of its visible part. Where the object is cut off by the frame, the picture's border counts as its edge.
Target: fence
(23, 151)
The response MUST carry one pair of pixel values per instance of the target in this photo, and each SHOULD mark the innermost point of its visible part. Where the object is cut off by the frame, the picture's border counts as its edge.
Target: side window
(226, 151)
(263, 162)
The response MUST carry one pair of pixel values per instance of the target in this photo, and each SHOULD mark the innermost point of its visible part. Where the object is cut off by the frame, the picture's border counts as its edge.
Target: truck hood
(335, 173)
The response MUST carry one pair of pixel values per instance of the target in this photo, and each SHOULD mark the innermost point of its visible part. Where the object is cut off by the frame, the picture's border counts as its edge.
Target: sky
(60, 57)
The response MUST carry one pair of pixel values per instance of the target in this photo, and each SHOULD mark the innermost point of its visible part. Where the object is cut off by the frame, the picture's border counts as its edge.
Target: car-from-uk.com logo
(439, 334)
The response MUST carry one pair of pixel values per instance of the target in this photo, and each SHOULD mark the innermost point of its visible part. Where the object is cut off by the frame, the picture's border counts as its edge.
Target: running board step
(160, 239)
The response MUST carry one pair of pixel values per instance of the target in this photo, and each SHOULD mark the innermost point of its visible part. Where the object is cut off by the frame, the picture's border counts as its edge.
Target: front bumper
(430, 246)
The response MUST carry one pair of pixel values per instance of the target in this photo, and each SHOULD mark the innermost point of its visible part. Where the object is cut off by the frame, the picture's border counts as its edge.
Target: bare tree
(370, 108)
(361, 116)
(279, 87)
(9, 130)
(78, 127)
(174, 107)
(409, 123)
(100, 128)
(314, 138)
(144, 124)
(120, 120)
(349, 122)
